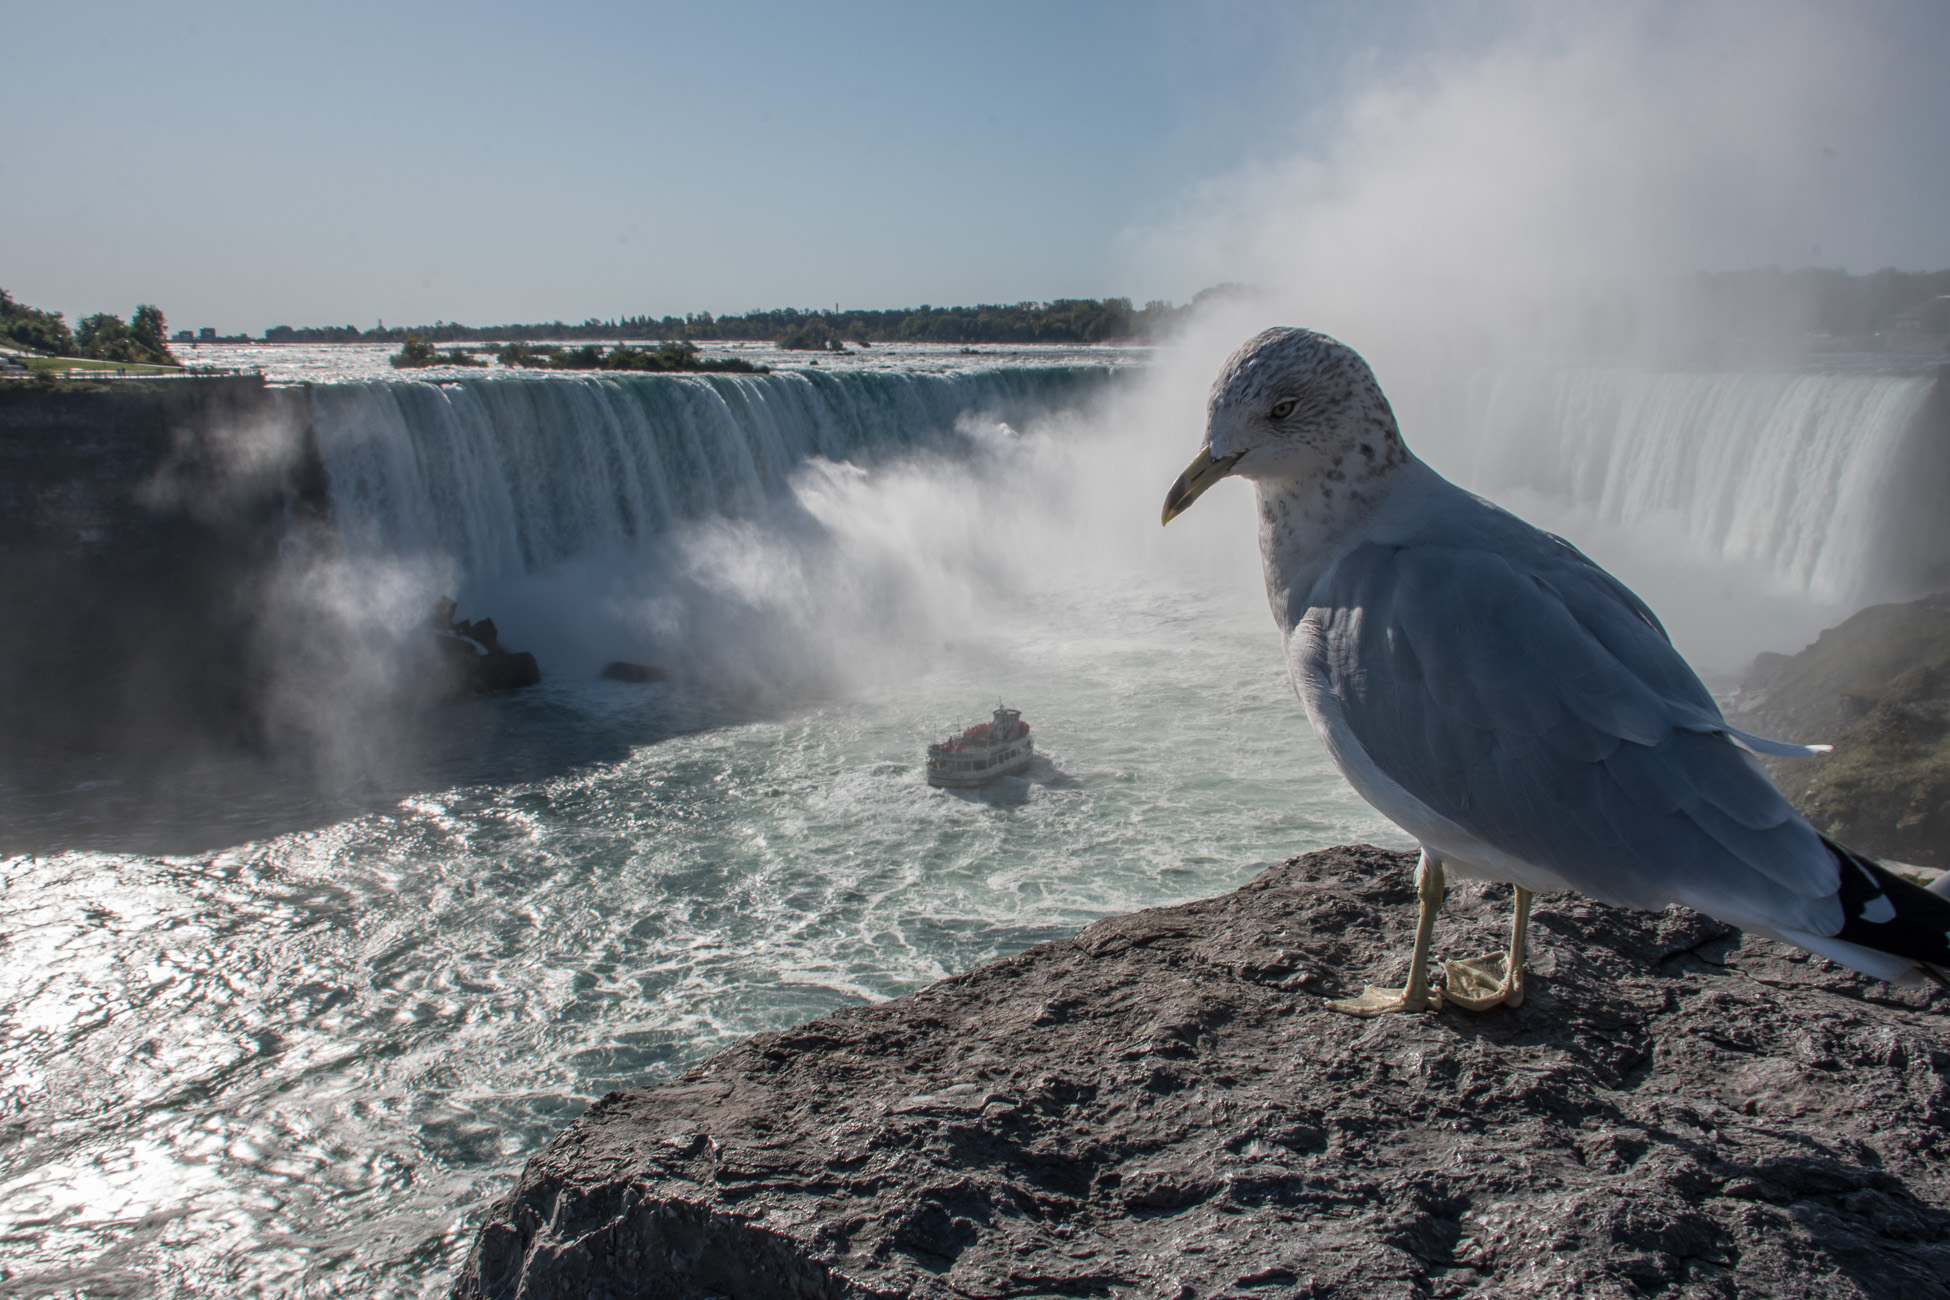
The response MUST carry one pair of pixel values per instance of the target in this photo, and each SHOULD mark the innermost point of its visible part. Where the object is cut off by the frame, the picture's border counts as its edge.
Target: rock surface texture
(1161, 1106)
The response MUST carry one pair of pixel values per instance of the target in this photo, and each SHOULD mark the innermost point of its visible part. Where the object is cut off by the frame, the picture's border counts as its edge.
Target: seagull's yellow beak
(1201, 474)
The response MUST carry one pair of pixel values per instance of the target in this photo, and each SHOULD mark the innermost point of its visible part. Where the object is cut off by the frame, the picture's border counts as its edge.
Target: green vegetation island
(100, 342)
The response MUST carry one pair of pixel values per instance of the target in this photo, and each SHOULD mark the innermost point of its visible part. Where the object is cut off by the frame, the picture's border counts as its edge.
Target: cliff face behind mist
(1876, 687)
(139, 524)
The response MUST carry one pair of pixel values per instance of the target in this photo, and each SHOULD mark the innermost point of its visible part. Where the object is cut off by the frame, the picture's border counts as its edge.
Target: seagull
(1509, 704)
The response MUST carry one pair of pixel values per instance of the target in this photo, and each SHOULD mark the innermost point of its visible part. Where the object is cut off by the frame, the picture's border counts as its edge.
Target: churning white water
(303, 1062)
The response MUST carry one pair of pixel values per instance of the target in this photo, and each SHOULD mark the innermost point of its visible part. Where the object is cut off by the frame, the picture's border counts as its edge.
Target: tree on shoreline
(33, 329)
(141, 340)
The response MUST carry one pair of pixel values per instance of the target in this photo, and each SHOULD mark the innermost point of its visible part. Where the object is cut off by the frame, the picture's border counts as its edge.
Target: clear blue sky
(250, 165)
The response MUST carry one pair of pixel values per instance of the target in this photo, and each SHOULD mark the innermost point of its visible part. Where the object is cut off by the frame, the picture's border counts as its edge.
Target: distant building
(183, 336)
(206, 335)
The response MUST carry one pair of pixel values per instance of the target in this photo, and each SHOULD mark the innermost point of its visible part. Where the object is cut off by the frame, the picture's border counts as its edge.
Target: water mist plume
(1539, 200)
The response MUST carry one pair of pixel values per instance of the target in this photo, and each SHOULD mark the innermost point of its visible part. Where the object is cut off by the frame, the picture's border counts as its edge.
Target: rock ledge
(1160, 1106)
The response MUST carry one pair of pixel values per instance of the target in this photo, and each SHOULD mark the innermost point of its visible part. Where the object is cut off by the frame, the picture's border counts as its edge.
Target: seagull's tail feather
(1889, 915)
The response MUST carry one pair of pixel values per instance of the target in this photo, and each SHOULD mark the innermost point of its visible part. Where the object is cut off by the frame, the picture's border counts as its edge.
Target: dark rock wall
(1162, 1106)
(139, 525)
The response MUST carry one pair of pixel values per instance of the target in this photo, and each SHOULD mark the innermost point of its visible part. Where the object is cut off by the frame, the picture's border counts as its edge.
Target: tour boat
(998, 747)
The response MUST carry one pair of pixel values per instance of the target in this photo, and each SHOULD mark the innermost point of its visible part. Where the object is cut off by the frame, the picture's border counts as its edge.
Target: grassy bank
(62, 365)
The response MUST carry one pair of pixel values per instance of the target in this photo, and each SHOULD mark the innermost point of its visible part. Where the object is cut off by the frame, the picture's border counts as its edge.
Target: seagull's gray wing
(1526, 695)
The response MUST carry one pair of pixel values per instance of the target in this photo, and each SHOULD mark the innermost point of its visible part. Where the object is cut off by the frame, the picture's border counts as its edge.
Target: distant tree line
(1765, 307)
(1729, 305)
(101, 337)
(1065, 320)
(1761, 316)
(1062, 321)
(1824, 302)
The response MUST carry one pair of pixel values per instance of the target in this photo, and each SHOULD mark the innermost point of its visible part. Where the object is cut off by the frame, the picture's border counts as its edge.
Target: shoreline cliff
(1161, 1106)
(140, 534)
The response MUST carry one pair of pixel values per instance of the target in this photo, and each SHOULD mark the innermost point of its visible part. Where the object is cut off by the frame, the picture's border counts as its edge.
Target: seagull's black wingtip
(1884, 912)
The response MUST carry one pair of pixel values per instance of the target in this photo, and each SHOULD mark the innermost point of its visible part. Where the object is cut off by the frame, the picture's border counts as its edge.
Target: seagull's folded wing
(1526, 695)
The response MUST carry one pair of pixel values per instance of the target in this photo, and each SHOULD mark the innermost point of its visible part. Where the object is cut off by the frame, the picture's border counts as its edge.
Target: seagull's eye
(1283, 410)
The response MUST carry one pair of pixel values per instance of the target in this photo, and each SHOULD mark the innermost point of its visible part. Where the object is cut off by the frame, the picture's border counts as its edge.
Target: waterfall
(767, 534)
(806, 520)
(507, 476)
(1785, 471)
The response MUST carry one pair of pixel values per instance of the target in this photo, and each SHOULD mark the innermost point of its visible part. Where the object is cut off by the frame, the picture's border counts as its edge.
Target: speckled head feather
(1295, 404)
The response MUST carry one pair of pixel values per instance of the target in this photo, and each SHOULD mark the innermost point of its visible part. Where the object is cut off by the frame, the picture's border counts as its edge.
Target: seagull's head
(1290, 406)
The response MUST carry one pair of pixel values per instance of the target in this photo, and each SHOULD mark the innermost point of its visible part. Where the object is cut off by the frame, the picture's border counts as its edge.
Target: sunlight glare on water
(307, 1063)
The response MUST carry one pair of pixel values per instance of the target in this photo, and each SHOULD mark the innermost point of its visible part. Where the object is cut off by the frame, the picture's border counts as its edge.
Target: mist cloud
(1588, 150)
(1541, 197)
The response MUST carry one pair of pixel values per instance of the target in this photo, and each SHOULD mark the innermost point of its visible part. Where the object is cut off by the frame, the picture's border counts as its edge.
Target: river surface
(327, 363)
(306, 1062)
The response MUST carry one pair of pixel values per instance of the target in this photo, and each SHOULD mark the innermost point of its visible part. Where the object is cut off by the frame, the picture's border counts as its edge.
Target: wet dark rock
(479, 673)
(1161, 1106)
(619, 671)
(508, 670)
(483, 631)
(471, 658)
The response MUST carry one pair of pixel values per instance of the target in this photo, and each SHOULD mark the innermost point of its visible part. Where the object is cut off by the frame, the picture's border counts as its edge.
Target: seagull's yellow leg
(1417, 996)
(1497, 979)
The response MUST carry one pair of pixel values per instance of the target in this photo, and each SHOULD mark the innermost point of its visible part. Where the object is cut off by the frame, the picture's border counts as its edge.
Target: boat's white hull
(965, 771)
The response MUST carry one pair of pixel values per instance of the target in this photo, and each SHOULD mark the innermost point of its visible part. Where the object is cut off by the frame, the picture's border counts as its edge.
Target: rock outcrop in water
(472, 659)
(1877, 687)
(1161, 1106)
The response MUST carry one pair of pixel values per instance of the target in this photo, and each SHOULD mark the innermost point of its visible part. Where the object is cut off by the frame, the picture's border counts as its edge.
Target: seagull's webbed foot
(1495, 980)
(1480, 983)
(1416, 995)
